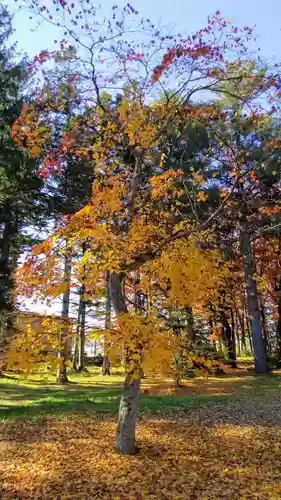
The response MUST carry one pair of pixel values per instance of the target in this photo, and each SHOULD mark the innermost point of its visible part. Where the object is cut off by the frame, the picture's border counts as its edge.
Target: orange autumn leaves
(228, 450)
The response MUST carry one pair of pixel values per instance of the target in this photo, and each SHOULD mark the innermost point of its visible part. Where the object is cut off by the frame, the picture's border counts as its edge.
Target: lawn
(215, 438)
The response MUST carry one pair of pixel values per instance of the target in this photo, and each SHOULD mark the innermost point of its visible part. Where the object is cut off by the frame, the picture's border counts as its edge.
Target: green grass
(37, 396)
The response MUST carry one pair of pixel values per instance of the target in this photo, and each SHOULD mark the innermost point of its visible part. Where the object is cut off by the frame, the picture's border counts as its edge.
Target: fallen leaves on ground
(213, 452)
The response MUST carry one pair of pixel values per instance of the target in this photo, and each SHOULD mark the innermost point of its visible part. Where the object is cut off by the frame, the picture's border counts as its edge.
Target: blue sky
(186, 15)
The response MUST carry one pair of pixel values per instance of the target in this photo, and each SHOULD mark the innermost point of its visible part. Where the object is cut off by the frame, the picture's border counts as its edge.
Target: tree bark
(233, 340)
(106, 363)
(243, 337)
(228, 339)
(75, 352)
(278, 326)
(190, 325)
(252, 299)
(76, 339)
(236, 331)
(63, 340)
(8, 263)
(126, 427)
(81, 350)
(264, 325)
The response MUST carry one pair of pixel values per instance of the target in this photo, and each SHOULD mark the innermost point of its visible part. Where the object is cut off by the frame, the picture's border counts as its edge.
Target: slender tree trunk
(106, 363)
(190, 325)
(126, 427)
(252, 299)
(81, 349)
(278, 326)
(264, 325)
(249, 336)
(236, 331)
(8, 262)
(243, 337)
(64, 333)
(5, 269)
(75, 352)
(233, 340)
(228, 339)
(76, 339)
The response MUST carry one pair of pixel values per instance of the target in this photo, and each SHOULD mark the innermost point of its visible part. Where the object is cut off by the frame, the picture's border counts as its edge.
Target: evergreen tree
(22, 198)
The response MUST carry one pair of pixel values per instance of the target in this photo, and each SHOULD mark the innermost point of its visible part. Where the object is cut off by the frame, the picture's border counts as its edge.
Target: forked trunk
(252, 299)
(126, 427)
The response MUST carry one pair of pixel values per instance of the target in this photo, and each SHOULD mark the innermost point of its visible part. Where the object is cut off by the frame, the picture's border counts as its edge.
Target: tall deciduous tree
(141, 206)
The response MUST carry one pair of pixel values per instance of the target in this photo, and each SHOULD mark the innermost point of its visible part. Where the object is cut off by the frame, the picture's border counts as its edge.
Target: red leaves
(200, 44)
(270, 210)
(64, 218)
(177, 52)
(44, 54)
(51, 165)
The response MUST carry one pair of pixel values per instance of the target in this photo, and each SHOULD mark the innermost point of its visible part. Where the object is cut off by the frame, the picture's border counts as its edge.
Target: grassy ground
(39, 394)
(215, 438)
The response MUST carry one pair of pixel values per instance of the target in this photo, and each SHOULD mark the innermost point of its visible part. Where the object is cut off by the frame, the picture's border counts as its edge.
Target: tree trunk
(8, 263)
(106, 363)
(278, 326)
(64, 333)
(243, 337)
(76, 339)
(126, 428)
(81, 350)
(190, 325)
(228, 339)
(6, 284)
(264, 325)
(75, 352)
(233, 340)
(252, 299)
(236, 332)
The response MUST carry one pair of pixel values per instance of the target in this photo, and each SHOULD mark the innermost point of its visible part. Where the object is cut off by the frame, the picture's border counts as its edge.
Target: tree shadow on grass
(28, 401)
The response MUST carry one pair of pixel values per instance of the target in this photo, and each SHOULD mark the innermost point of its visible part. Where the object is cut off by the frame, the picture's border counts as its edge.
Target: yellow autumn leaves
(141, 343)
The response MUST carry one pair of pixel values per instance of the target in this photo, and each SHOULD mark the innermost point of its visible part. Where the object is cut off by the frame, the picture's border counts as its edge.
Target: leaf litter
(226, 451)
